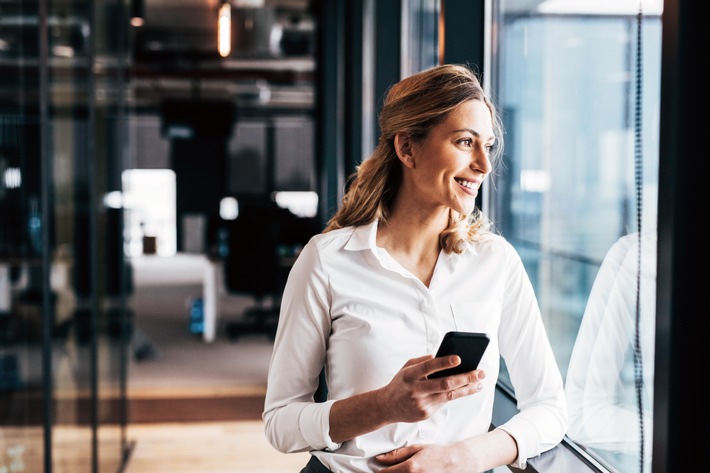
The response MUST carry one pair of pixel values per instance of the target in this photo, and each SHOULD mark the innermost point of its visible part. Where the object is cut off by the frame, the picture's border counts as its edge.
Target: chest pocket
(473, 316)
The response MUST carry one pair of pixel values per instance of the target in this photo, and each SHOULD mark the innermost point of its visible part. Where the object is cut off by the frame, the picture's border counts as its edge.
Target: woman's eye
(466, 141)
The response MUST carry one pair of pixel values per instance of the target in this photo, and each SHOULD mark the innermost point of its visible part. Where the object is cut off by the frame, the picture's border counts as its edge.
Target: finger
(441, 363)
(398, 455)
(417, 360)
(464, 391)
(387, 458)
(455, 385)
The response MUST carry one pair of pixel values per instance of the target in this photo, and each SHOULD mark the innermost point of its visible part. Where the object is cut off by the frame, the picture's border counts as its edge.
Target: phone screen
(469, 346)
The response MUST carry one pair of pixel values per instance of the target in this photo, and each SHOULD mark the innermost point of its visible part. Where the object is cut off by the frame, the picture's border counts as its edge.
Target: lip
(469, 190)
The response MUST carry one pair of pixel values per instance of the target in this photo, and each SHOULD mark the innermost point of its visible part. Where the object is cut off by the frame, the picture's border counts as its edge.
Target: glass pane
(110, 133)
(566, 196)
(54, 303)
(420, 43)
(68, 142)
(21, 298)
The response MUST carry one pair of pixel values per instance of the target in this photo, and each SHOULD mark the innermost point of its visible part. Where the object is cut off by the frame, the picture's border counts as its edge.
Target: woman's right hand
(411, 396)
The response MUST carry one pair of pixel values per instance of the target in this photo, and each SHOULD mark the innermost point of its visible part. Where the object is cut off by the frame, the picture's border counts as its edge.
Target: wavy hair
(413, 107)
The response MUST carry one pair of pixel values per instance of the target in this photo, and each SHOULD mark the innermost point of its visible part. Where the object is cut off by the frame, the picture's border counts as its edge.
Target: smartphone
(469, 346)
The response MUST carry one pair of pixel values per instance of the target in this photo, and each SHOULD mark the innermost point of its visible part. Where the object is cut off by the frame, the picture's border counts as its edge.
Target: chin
(466, 208)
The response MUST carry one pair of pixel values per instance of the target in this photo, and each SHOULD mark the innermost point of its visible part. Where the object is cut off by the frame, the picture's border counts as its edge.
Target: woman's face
(452, 162)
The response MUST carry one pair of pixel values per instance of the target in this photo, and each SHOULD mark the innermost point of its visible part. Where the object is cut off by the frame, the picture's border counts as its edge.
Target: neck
(413, 240)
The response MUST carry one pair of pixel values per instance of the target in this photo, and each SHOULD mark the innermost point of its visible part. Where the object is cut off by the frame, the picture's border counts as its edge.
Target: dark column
(681, 410)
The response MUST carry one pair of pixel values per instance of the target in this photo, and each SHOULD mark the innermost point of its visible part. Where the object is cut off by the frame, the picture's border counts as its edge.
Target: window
(577, 196)
(149, 203)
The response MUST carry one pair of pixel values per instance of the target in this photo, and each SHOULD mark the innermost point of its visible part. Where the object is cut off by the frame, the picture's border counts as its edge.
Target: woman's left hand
(475, 454)
(429, 458)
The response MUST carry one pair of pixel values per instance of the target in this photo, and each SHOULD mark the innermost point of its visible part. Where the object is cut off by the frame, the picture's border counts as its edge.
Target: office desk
(192, 271)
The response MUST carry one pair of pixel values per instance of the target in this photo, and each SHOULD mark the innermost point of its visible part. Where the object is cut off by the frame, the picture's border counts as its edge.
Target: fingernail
(479, 386)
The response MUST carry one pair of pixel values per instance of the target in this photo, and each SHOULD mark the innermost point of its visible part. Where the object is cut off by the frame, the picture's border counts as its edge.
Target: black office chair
(263, 242)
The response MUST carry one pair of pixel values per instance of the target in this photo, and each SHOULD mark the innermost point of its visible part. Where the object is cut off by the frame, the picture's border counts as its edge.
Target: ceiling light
(137, 18)
(224, 29)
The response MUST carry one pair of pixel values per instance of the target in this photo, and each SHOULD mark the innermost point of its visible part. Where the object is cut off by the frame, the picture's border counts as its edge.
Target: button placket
(431, 321)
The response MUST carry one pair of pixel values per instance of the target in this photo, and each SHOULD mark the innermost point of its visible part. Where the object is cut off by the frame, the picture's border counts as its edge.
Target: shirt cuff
(314, 424)
(514, 431)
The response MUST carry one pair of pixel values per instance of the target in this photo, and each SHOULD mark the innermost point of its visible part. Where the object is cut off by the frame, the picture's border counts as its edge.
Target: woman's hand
(475, 454)
(428, 458)
(411, 396)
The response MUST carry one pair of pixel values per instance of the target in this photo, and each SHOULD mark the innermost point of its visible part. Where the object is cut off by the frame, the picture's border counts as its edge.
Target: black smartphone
(469, 346)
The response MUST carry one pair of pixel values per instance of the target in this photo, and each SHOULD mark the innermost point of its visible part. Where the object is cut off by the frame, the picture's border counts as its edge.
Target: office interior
(139, 138)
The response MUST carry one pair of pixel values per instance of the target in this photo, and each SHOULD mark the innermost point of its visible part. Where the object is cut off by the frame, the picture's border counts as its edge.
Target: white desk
(193, 269)
(185, 269)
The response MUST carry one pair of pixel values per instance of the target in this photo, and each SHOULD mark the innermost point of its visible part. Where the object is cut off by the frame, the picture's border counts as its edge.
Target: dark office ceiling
(189, 28)
(271, 60)
(173, 55)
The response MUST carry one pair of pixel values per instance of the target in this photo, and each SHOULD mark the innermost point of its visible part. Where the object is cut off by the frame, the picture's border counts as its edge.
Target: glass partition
(577, 195)
(63, 324)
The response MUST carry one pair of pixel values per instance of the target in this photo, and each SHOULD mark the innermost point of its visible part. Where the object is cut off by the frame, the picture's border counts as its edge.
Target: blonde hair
(413, 107)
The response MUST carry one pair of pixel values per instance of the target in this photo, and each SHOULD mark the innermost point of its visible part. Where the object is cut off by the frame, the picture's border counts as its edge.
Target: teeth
(467, 184)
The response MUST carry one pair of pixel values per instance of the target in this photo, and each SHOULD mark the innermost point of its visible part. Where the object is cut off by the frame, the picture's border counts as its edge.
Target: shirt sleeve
(294, 422)
(541, 421)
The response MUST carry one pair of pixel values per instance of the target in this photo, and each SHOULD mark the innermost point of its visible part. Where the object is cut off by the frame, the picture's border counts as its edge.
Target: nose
(481, 160)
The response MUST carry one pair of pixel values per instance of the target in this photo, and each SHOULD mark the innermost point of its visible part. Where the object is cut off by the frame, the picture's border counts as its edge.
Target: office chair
(263, 242)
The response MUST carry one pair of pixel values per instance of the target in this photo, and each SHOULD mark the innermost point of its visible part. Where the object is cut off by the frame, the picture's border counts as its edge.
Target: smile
(467, 184)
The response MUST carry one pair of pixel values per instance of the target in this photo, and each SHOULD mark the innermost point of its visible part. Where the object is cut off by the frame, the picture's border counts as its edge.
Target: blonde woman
(407, 258)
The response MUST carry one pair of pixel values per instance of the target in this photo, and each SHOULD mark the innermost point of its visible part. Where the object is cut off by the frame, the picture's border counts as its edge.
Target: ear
(403, 146)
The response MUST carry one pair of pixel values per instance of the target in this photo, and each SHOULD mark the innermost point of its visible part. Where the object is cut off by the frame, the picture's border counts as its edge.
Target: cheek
(438, 180)
(436, 170)
(440, 165)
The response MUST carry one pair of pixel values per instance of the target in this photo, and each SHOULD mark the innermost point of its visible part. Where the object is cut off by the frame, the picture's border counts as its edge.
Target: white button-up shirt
(350, 307)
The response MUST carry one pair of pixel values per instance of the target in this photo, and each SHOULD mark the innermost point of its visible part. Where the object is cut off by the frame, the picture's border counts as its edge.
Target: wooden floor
(202, 430)
(209, 447)
(195, 407)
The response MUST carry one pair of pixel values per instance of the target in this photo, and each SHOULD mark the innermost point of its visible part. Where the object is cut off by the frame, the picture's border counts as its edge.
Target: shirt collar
(364, 237)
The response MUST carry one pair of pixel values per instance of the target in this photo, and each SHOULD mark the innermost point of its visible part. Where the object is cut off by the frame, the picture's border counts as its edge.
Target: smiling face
(446, 169)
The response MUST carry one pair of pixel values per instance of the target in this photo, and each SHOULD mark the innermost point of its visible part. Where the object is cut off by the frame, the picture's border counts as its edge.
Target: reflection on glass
(601, 384)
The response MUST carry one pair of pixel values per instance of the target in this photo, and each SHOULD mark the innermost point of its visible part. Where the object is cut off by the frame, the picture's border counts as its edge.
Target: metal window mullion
(92, 210)
(122, 114)
(45, 189)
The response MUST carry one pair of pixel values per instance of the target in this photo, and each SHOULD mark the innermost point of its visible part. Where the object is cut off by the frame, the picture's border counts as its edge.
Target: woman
(406, 259)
